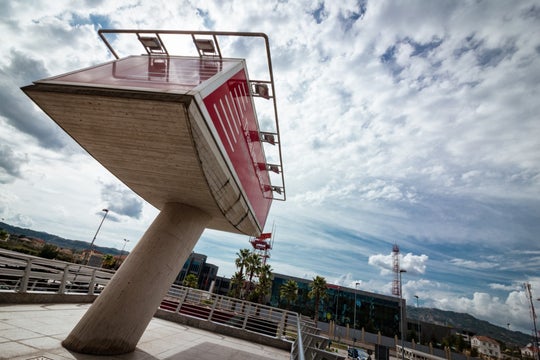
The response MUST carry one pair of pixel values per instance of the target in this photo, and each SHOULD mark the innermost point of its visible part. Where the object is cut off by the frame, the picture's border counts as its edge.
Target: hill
(467, 323)
(77, 245)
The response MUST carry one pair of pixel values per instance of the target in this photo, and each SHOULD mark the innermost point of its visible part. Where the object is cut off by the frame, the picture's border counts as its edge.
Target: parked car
(357, 354)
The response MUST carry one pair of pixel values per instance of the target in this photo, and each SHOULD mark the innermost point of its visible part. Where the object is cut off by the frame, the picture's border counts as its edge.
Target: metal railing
(248, 316)
(21, 273)
(156, 43)
(230, 311)
(26, 273)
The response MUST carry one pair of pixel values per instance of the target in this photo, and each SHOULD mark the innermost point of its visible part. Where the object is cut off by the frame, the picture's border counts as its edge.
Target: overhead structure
(183, 132)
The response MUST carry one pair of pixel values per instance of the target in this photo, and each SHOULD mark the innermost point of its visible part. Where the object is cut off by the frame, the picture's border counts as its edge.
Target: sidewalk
(36, 332)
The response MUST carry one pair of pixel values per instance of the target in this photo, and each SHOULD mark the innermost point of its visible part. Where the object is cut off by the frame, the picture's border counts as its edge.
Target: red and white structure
(262, 245)
(396, 284)
(182, 131)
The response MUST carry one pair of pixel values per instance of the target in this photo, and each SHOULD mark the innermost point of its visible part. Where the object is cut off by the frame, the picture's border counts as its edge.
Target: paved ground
(36, 331)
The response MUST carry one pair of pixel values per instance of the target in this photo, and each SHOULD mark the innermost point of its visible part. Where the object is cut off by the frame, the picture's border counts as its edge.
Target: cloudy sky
(414, 123)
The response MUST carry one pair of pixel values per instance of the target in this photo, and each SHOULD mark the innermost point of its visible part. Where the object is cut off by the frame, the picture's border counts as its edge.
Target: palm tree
(237, 280)
(289, 292)
(191, 281)
(265, 282)
(318, 292)
(242, 260)
(253, 265)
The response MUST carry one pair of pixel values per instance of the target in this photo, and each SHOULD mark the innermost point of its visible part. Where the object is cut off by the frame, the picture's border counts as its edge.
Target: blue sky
(413, 123)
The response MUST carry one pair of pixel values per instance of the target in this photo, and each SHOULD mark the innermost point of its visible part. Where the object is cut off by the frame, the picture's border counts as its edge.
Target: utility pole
(418, 321)
(94, 239)
(533, 316)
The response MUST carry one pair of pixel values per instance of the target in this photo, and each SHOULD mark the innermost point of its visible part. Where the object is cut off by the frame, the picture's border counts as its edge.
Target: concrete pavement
(36, 332)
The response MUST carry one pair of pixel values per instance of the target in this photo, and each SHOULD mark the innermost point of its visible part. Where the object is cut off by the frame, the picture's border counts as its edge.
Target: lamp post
(401, 314)
(418, 321)
(354, 318)
(355, 290)
(94, 239)
(122, 251)
(336, 317)
(537, 347)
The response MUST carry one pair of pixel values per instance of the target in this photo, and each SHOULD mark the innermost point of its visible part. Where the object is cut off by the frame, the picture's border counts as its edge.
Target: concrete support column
(118, 317)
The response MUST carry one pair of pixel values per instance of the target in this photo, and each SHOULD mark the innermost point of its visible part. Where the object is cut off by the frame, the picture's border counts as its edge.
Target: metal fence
(234, 312)
(21, 273)
(307, 343)
(26, 273)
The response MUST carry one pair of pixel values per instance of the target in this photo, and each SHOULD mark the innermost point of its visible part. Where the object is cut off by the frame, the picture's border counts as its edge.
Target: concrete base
(117, 319)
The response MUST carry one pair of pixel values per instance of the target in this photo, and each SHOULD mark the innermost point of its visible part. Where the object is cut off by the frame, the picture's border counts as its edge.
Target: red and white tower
(262, 245)
(395, 259)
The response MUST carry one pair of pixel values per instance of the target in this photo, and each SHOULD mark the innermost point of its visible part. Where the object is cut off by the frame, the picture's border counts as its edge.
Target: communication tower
(395, 259)
(262, 245)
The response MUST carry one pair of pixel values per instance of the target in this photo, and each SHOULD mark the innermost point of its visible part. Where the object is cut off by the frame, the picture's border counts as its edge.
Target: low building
(222, 285)
(487, 348)
(374, 312)
(530, 351)
(196, 264)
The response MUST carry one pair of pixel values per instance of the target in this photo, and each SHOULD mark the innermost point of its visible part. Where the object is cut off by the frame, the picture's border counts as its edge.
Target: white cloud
(435, 147)
(413, 264)
(473, 264)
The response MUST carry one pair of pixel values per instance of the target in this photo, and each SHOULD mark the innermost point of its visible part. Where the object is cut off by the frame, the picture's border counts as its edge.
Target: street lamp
(401, 314)
(94, 239)
(121, 251)
(535, 331)
(418, 313)
(354, 320)
(336, 317)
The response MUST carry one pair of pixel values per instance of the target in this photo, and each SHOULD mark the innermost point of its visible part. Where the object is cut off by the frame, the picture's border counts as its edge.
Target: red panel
(232, 113)
(144, 72)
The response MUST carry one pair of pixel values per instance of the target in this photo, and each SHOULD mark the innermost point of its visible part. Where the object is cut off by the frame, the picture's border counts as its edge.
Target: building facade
(530, 351)
(374, 312)
(222, 286)
(487, 348)
(196, 264)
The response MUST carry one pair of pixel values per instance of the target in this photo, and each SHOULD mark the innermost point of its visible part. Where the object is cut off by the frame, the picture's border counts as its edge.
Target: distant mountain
(458, 321)
(466, 322)
(57, 240)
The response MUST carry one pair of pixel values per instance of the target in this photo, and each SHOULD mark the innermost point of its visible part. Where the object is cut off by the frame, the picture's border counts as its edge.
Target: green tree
(48, 251)
(4, 235)
(262, 289)
(191, 281)
(253, 265)
(242, 260)
(108, 261)
(237, 280)
(318, 292)
(289, 292)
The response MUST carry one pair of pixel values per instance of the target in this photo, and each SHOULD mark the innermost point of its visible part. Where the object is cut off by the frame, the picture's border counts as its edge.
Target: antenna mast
(396, 283)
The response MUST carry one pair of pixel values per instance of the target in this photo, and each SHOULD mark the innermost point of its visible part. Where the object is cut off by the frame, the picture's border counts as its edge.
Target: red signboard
(233, 116)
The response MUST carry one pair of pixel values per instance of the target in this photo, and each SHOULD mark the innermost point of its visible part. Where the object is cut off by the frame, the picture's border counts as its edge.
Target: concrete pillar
(118, 317)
